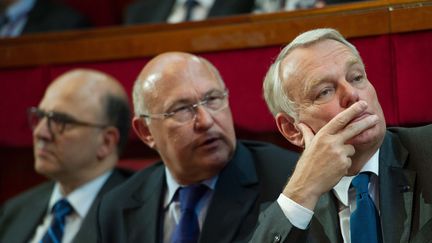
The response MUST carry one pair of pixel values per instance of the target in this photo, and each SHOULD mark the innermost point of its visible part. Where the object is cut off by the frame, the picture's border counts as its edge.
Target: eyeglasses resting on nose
(57, 121)
(213, 102)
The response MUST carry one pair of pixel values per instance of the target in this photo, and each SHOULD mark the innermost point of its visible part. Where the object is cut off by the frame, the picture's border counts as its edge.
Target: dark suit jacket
(47, 15)
(405, 186)
(255, 175)
(20, 216)
(156, 11)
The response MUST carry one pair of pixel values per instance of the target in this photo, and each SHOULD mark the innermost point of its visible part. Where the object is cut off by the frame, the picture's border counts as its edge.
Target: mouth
(361, 117)
(41, 149)
(209, 141)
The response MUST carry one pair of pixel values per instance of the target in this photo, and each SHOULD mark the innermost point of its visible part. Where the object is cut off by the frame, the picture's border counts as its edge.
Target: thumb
(307, 133)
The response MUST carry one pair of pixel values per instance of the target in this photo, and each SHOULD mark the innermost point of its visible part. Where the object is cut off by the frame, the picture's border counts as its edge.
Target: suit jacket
(47, 15)
(20, 216)
(255, 175)
(156, 11)
(405, 187)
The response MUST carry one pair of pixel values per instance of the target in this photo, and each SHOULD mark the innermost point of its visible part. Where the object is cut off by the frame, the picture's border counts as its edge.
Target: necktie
(364, 221)
(187, 230)
(61, 209)
(190, 5)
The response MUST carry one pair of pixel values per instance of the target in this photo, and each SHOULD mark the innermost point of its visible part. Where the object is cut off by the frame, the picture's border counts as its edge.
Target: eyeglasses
(57, 121)
(214, 102)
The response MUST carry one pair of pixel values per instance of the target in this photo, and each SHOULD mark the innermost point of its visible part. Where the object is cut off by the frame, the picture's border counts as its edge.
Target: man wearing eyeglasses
(79, 130)
(209, 187)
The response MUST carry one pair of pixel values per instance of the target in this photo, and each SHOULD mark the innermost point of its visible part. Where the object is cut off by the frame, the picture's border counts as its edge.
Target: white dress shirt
(80, 199)
(171, 206)
(17, 18)
(300, 216)
(200, 12)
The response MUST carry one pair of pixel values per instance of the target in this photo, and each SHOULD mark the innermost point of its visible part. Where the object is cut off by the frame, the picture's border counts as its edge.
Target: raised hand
(327, 156)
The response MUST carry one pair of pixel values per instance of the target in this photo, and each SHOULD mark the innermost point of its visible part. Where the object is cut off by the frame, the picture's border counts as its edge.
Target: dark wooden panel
(237, 32)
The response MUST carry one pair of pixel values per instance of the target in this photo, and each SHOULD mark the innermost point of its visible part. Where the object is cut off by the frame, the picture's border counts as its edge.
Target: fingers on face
(342, 119)
(307, 133)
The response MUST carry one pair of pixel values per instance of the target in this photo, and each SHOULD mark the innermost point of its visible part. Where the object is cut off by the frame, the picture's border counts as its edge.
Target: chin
(44, 167)
(367, 138)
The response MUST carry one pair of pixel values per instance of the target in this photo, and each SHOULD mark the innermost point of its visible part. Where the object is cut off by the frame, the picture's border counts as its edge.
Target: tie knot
(361, 183)
(62, 208)
(190, 195)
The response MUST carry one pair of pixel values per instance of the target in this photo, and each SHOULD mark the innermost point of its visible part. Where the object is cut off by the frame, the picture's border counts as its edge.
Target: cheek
(318, 116)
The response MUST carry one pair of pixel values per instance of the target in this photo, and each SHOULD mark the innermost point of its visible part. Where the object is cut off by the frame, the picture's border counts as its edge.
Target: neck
(359, 159)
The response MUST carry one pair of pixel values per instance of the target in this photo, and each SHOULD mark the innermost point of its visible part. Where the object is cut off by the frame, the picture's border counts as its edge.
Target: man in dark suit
(157, 11)
(352, 167)
(79, 130)
(33, 16)
(181, 111)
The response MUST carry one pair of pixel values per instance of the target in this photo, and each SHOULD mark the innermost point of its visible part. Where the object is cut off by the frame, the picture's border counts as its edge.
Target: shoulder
(415, 139)
(22, 200)
(134, 183)
(422, 132)
(11, 212)
(269, 152)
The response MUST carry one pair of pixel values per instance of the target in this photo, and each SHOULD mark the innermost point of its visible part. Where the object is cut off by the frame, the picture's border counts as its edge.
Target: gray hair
(274, 94)
(141, 85)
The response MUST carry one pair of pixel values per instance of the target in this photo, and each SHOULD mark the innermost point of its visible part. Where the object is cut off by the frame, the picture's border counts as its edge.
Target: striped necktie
(61, 209)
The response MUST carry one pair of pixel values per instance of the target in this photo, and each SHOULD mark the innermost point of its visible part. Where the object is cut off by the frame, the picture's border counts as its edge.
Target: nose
(349, 95)
(203, 118)
(42, 130)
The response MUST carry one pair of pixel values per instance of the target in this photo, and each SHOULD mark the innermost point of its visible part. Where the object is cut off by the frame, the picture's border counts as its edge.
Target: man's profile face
(202, 146)
(326, 78)
(65, 155)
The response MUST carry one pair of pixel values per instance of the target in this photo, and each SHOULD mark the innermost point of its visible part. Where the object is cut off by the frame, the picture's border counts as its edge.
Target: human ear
(110, 140)
(287, 127)
(142, 131)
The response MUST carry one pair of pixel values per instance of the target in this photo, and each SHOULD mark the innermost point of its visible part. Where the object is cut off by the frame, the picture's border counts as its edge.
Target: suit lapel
(32, 216)
(234, 195)
(396, 186)
(141, 213)
(326, 213)
(88, 227)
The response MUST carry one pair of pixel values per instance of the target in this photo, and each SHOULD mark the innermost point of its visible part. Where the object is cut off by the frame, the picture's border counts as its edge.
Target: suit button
(277, 238)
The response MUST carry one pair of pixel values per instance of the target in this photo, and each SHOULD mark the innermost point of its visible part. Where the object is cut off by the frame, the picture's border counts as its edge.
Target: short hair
(140, 106)
(117, 112)
(276, 97)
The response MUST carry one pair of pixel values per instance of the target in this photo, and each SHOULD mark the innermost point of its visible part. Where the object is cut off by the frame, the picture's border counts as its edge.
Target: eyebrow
(190, 101)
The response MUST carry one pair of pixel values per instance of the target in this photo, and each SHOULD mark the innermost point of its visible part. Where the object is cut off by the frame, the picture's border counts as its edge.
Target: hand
(327, 157)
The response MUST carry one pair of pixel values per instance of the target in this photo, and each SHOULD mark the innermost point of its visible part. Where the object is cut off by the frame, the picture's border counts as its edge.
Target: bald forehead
(82, 88)
(88, 80)
(174, 66)
(168, 63)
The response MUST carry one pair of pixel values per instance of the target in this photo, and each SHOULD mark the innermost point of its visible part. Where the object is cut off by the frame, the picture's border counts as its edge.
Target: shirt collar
(172, 186)
(341, 189)
(19, 8)
(81, 198)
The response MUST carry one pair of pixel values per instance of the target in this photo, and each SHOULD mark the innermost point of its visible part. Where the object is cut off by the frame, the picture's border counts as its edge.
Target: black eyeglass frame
(61, 119)
(192, 107)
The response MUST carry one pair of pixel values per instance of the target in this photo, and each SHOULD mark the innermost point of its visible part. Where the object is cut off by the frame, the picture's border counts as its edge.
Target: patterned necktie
(190, 5)
(364, 222)
(187, 230)
(61, 209)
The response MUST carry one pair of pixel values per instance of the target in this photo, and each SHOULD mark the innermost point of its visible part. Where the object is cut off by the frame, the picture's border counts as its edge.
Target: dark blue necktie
(61, 209)
(190, 5)
(187, 230)
(364, 222)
